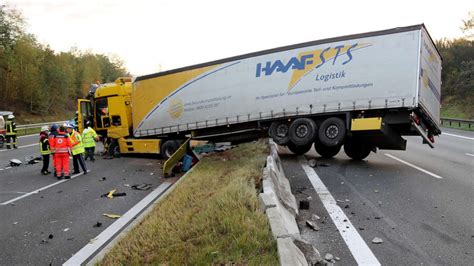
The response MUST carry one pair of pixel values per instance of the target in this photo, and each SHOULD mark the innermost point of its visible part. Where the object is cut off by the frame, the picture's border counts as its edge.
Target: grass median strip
(212, 217)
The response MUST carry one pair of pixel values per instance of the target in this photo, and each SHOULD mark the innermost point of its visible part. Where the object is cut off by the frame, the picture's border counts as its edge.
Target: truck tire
(297, 149)
(278, 131)
(332, 131)
(357, 150)
(168, 148)
(114, 149)
(325, 151)
(303, 131)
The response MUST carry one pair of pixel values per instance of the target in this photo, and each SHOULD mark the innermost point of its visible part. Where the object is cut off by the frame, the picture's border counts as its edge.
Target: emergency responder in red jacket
(61, 148)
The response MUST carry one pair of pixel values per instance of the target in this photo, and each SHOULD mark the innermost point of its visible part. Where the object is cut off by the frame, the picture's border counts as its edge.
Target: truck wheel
(297, 149)
(169, 148)
(303, 131)
(278, 131)
(114, 149)
(357, 150)
(332, 132)
(325, 151)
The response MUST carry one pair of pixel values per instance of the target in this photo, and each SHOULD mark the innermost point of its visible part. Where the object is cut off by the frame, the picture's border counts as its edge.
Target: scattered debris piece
(379, 203)
(71, 238)
(44, 241)
(103, 179)
(340, 201)
(345, 220)
(309, 198)
(152, 173)
(66, 229)
(312, 225)
(15, 223)
(51, 236)
(377, 217)
(312, 163)
(377, 240)
(315, 217)
(311, 253)
(119, 194)
(98, 224)
(346, 207)
(126, 185)
(111, 194)
(328, 256)
(15, 162)
(347, 200)
(112, 216)
(376, 191)
(304, 205)
(361, 228)
(342, 183)
(59, 191)
(143, 186)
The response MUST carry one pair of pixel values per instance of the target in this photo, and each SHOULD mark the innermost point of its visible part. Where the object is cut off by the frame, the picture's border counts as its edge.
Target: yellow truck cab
(109, 112)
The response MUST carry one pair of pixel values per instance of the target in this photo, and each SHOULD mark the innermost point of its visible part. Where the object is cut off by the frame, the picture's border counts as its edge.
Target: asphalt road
(420, 202)
(49, 226)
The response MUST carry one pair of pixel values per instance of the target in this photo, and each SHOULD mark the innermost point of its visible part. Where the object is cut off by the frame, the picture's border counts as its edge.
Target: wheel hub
(332, 131)
(282, 130)
(302, 131)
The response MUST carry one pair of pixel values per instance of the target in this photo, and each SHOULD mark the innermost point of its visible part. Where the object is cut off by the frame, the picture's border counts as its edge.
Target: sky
(152, 36)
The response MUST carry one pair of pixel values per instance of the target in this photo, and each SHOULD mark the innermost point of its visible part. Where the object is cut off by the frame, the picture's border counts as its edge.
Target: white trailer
(362, 91)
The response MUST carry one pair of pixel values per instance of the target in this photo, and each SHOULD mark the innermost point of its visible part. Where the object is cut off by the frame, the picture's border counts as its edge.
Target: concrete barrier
(279, 204)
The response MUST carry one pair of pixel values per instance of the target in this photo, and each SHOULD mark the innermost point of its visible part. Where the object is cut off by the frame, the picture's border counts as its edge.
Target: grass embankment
(459, 112)
(212, 217)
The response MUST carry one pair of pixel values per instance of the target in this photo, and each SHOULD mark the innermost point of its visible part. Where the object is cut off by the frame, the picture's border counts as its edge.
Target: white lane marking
(12, 192)
(40, 189)
(468, 154)
(458, 136)
(414, 166)
(21, 147)
(88, 250)
(356, 244)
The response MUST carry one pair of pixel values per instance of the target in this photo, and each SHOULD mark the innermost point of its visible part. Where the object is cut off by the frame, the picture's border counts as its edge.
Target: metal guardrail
(459, 122)
(25, 128)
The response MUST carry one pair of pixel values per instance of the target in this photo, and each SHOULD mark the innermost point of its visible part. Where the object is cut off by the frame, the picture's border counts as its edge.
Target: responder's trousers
(61, 163)
(78, 160)
(11, 139)
(45, 163)
(90, 153)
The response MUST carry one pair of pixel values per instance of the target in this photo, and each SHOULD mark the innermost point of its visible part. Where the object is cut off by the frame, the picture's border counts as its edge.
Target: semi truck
(362, 92)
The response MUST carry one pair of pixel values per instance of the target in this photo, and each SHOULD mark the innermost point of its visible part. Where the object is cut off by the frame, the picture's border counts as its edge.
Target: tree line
(35, 80)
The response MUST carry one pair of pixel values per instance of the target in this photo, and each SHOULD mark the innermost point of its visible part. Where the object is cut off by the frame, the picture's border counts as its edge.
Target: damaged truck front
(362, 92)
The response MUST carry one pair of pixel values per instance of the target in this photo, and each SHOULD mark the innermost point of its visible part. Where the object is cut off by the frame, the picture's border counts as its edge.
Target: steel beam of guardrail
(39, 125)
(459, 122)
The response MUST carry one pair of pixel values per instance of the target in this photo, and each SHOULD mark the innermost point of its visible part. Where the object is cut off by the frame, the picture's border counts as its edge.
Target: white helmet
(10, 116)
(44, 128)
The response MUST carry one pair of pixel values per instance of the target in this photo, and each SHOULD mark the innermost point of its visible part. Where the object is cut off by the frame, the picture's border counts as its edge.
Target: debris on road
(304, 205)
(103, 179)
(51, 236)
(310, 252)
(315, 217)
(98, 224)
(377, 240)
(66, 229)
(377, 217)
(15, 223)
(112, 216)
(328, 256)
(379, 203)
(312, 163)
(312, 225)
(346, 207)
(376, 191)
(143, 186)
(361, 228)
(15, 162)
(111, 194)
